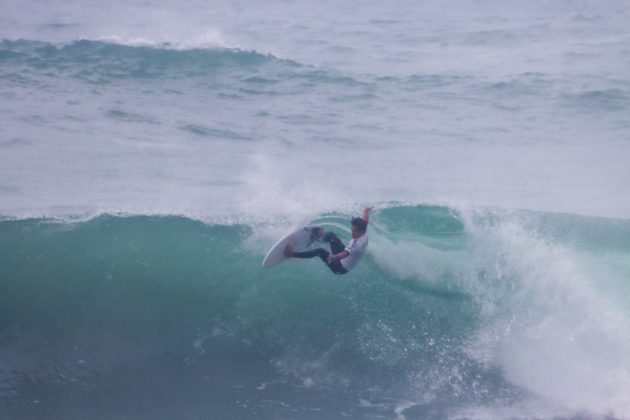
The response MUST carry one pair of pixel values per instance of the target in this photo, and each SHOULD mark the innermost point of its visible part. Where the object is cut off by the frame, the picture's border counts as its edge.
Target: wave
(606, 100)
(452, 313)
(251, 73)
(100, 60)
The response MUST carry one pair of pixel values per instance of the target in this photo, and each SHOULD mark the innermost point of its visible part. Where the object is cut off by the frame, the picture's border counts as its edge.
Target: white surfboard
(299, 241)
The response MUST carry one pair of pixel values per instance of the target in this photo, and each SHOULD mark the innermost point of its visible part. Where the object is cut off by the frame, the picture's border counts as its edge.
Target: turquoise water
(151, 153)
(449, 315)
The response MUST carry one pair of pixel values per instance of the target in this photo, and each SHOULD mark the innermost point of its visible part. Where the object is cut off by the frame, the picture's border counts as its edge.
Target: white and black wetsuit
(355, 248)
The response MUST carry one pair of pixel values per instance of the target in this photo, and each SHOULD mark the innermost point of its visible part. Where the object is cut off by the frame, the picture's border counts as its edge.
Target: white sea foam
(547, 323)
(209, 39)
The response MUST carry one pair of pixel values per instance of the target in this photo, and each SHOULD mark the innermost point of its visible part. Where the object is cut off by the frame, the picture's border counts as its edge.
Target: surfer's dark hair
(359, 224)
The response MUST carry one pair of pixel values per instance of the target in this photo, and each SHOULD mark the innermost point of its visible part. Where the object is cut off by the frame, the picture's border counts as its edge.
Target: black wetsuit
(336, 246)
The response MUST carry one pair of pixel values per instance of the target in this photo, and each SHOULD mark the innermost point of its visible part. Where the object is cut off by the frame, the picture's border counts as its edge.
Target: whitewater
(152, 152)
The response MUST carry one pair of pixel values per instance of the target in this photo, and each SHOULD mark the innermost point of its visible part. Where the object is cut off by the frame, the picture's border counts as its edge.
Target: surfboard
(299, 240)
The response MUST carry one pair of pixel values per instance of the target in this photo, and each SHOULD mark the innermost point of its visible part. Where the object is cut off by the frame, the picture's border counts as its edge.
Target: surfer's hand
(331, 258)
(366, 214)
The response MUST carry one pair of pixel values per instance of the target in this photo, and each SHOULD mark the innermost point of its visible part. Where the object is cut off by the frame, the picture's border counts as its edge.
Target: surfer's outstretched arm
(366, 214)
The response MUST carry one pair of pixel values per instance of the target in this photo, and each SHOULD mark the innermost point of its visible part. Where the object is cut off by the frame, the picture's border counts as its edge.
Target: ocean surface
(151, 152)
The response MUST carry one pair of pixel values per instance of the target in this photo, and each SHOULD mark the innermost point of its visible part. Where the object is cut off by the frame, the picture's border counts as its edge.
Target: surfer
(342, 258)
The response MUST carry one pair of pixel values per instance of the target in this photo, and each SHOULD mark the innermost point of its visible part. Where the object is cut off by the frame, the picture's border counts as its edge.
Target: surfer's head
(359, 225)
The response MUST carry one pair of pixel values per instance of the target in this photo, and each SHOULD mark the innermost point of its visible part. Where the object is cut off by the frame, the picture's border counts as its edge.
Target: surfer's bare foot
(288, 251)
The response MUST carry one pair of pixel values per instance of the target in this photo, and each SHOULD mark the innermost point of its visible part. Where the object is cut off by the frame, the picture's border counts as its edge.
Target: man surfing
(342, 258)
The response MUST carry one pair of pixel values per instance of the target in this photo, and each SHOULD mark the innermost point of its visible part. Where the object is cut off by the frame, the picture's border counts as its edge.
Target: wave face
(101, 62)
(451, 314)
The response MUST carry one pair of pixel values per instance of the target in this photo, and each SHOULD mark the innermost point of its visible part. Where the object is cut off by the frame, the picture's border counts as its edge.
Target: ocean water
(151, 152)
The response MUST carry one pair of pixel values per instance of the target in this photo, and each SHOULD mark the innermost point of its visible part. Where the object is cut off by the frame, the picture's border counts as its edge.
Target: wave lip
(211, 39)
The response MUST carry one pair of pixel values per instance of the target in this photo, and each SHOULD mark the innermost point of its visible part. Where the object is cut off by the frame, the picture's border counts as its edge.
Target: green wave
(103, 61)
(173, 306)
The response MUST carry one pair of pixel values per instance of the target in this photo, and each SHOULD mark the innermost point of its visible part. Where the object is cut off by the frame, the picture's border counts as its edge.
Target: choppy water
(151, 153)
